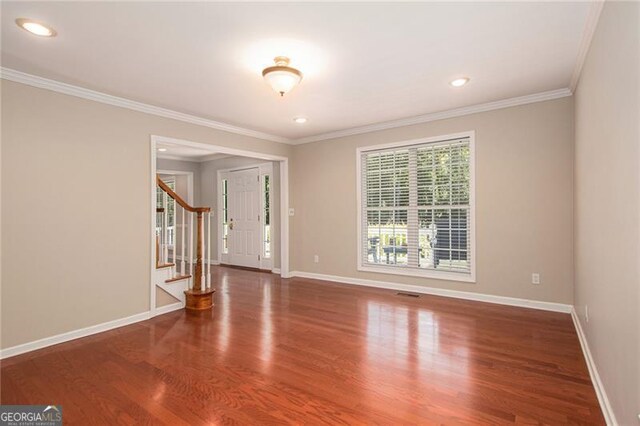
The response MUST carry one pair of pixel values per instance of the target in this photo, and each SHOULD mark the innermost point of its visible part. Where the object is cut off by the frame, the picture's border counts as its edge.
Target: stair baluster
(199, 296)
(209, 250)
(191, 281)
(197, 284)
(165, 229)
(182, 230)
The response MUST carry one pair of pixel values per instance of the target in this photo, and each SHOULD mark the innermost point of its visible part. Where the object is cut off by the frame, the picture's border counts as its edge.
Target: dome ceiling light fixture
(281, 77)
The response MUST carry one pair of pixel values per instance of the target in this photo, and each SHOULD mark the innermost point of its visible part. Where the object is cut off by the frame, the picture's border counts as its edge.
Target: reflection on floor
(306, 351)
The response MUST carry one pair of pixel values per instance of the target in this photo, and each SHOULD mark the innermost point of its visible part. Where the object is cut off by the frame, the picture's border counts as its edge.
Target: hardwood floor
(302, 351)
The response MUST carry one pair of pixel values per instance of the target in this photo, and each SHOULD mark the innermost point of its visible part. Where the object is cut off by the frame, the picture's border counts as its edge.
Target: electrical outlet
(316, 258)
(535, 278)
(586, 312)
(292, 211)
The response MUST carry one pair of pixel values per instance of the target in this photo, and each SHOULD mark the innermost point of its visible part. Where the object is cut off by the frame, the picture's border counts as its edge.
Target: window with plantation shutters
(416, 208)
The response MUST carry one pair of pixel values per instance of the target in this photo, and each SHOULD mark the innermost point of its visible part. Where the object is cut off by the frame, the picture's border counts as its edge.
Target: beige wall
(607, 188)
(76, 211)
(523, 191)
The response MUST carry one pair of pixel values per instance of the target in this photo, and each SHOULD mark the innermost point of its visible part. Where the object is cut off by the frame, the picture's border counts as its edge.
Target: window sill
(422, 273)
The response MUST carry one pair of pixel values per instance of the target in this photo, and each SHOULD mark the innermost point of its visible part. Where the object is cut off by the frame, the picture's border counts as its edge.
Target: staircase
(180, 270)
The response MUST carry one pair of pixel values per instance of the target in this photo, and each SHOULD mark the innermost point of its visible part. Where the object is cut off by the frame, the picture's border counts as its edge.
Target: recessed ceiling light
(35, 27)
(459, 82)
(300, 120)
(162, 149)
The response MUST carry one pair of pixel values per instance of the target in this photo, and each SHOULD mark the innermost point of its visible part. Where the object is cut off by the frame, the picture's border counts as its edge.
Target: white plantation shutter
(416, 207)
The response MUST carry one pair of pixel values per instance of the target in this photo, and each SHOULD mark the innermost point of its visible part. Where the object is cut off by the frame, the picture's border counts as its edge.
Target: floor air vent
(407, 294)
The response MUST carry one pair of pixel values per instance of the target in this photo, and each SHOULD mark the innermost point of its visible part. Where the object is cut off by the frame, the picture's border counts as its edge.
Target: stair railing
(200, 271)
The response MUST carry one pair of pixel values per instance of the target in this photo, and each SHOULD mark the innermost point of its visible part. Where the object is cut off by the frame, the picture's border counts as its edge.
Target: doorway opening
(247, 193)
(249, 216)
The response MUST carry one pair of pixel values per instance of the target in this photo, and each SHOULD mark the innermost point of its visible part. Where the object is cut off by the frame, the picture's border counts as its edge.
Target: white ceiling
(363, 63)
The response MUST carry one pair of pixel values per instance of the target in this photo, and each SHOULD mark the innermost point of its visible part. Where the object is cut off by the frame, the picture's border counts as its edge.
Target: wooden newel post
(197, 283)
(200, 297)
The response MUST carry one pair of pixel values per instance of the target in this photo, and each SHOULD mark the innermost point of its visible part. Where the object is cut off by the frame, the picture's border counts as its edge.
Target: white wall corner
(605, 406)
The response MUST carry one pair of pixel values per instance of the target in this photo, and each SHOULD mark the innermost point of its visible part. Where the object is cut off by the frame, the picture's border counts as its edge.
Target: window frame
(224, 213)
(264, 176)
(171, 181)
(418, 272)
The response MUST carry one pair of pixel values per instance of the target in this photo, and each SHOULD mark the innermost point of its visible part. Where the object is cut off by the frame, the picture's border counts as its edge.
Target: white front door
(244, 218)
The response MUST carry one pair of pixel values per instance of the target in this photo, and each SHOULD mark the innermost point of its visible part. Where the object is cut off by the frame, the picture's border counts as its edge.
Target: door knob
(230, 224)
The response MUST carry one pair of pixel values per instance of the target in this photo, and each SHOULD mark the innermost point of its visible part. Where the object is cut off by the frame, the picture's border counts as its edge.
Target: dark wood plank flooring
(302, 351)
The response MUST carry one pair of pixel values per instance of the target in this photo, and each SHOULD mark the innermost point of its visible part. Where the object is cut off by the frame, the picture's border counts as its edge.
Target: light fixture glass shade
(281, 77)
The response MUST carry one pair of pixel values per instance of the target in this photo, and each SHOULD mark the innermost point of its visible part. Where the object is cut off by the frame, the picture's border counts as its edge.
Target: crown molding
(458, 112)
(68, 89)
(92, 95)
(593, 16)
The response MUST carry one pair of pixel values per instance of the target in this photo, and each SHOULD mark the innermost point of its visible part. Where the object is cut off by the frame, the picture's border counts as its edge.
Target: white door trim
(264, 169)
(284, 200)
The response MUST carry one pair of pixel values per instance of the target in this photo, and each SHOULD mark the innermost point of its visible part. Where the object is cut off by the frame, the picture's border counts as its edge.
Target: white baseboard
(479, 297)
(607, 412)
(276, 270)
(87, 331)
(169, 308)
(72, 335)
